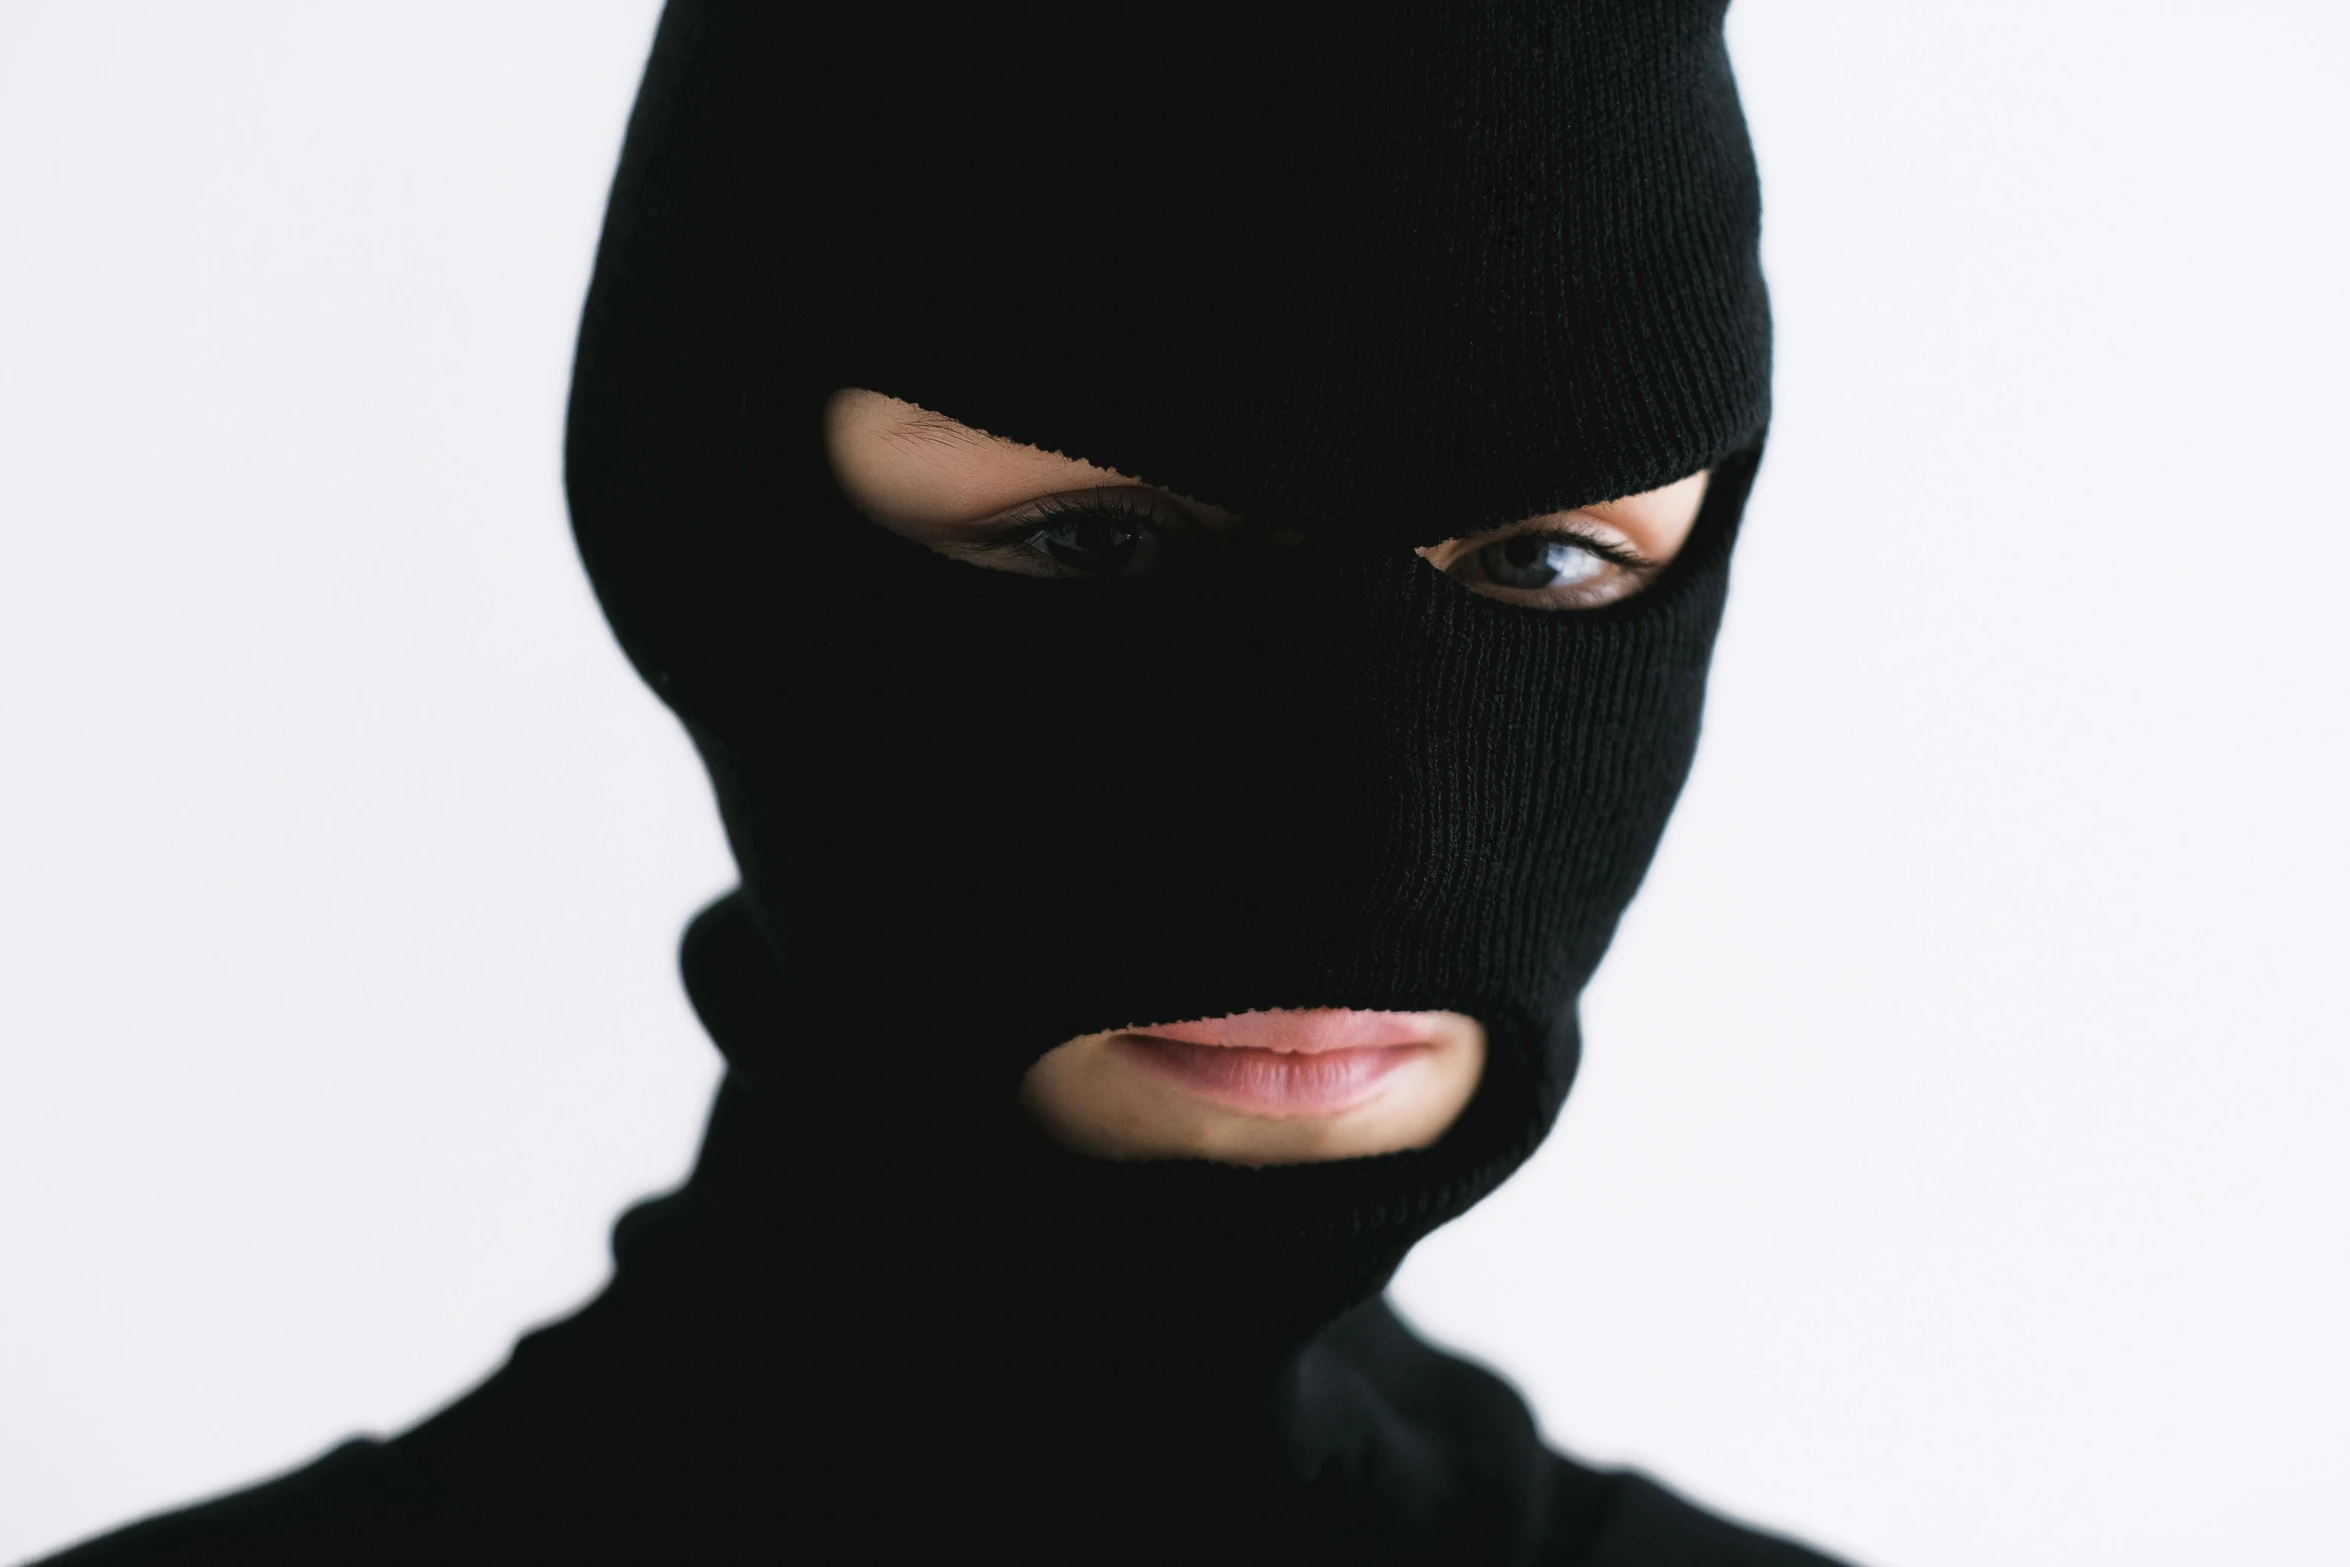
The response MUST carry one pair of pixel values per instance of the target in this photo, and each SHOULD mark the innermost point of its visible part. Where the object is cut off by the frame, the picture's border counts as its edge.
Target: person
(1189, 544)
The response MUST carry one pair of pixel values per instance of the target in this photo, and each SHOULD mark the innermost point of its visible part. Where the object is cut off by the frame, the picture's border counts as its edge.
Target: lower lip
(1274, 1083)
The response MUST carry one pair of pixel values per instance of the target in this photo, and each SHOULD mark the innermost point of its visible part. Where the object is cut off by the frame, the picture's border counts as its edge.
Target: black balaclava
(1376, 277)
(1407, 274)
(1428, 272)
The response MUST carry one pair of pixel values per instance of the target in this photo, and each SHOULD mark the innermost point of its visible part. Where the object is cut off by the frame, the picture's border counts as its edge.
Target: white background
(1957, 1175)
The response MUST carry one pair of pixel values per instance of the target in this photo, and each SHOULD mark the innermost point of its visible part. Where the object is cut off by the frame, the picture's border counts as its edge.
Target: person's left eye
(1532, 561)
(1545, 566)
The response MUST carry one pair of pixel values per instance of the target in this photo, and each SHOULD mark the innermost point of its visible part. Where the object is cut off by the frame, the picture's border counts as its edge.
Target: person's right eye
(1104, 533)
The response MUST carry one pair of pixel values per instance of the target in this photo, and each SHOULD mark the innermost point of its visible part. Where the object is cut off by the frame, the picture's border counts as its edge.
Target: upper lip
(1313, 1032)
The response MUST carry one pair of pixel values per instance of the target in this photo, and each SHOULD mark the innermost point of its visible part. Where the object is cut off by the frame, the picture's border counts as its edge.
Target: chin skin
(1260, 1088)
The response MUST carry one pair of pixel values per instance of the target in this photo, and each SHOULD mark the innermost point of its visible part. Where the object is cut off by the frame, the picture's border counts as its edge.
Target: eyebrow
(925, 427)
(936, 429)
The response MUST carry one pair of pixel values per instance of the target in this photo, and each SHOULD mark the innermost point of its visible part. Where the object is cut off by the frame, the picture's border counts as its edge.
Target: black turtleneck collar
(759, 1363)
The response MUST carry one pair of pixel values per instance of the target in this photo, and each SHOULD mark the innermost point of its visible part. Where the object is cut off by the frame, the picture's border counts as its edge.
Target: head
(1190, 553)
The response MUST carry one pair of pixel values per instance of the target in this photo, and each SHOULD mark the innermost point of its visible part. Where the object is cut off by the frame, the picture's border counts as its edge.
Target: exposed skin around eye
(1258, 1088)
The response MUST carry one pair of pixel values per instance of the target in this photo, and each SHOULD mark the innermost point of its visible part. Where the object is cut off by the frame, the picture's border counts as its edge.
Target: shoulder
(357, 1506)
(1467, 1433)
(1617, 1518)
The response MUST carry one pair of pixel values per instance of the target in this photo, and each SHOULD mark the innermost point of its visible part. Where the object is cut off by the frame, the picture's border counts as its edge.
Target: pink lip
(1282, 1064)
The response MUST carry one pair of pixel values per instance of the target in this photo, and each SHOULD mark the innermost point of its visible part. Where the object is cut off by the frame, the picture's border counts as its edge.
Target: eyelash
(1606, 549)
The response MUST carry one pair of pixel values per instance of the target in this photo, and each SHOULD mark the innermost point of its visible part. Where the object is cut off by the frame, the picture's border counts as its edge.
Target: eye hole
(1532, 561)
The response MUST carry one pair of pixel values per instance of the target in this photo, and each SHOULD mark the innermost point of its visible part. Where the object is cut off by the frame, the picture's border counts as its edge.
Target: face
(1258, 1087)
